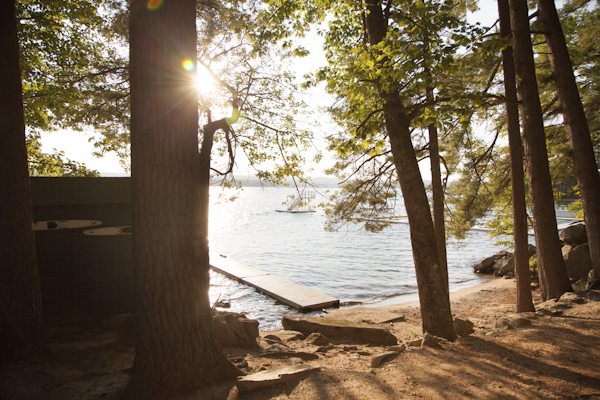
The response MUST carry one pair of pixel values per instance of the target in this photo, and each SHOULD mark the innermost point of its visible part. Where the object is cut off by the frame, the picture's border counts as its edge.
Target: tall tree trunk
(438, 193)
(551, 267)
(433, 293)
(21, 325)
(433, 287)
(586, 170)
(524, 299)
(176, 350)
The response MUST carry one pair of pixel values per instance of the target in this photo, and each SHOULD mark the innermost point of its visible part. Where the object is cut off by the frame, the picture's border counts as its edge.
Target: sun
(205, 82)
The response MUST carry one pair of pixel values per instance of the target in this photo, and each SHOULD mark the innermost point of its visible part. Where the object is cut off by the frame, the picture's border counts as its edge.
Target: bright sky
(77, 147)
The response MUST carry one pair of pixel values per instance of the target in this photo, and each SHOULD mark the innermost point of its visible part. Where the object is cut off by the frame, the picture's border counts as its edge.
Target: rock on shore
(575, 251)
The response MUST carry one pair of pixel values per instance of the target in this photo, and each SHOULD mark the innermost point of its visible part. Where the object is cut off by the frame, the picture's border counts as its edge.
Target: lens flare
(187, 64)
(154, 4)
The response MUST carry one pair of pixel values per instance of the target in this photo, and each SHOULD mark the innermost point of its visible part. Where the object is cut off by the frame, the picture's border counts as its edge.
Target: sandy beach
(556, 355)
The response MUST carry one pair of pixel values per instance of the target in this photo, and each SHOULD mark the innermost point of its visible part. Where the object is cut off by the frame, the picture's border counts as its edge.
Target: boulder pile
(575, 251)
(234, 329)
(500, 264)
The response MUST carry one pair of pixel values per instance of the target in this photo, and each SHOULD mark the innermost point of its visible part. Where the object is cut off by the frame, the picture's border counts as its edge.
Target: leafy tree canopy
(484, 182)
(253, 68)
(424, 45)
(75, 74)
(72, 74)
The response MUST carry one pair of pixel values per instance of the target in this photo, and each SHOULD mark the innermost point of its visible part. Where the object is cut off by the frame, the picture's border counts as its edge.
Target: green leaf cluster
(254, 69)
(483, 187)
(425, 47)
(72, 74)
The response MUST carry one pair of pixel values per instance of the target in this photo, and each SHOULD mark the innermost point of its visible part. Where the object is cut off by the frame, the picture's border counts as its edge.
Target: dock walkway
(287, 292)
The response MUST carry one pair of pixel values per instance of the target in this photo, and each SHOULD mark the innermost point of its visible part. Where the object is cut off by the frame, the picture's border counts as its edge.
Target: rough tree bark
(21, 325)
(524, 299)
(176, 350)
(551, 267)
(433, 293)
(586, 170)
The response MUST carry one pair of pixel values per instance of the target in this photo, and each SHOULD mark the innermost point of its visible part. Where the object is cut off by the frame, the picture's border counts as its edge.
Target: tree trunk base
(141, 387)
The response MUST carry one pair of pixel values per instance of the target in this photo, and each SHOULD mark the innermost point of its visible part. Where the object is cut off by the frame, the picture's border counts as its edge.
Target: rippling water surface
(352, 264)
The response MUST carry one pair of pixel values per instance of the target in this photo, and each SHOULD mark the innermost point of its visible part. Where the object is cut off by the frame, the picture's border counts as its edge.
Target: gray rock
(280, 350)
(578, 261)
(284, 336)
(571, 298)
(317, 339)
(276, 348)
(398, 348)
(223, 304)
(234, 329)
(551, 307)
(324, 349)
(502, 254)
(580, 285)
(431, 341)
(463, 327)
(574, 235)
(504, 265)
(512, 323)
(503, 323)
(332, 329)
(378, 359)
(272, 337)
(485, 266)
(508, 266)
(271, 377)
(291, 354)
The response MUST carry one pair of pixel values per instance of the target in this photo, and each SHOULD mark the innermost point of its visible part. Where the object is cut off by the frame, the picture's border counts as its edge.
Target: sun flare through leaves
(187, 64)
(154, 5)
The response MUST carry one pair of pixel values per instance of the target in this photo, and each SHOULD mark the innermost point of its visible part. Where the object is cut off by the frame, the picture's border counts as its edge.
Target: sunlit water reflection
(352, 265)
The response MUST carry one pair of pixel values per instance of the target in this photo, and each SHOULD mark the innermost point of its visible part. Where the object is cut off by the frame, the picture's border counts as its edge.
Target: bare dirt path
(557, 356)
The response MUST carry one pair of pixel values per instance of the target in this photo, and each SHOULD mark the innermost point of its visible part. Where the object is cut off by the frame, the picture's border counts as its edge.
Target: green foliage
(483, 186)
(70, 72)
(73, 75)
(272, 130)
(368, 199)
(533, 267)
(581, 25)
(423, 48)
(576, 206)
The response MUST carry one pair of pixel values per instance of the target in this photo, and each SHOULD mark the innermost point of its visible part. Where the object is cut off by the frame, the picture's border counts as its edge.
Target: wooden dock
(282, 290)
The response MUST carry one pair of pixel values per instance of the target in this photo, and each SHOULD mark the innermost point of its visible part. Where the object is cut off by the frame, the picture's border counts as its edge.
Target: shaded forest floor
(557, 356)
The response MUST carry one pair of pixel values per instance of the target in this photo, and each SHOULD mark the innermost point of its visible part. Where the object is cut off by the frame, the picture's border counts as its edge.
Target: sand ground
(556, 357)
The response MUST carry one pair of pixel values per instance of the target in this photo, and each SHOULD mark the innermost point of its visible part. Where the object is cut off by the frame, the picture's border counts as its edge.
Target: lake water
(351, 264)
